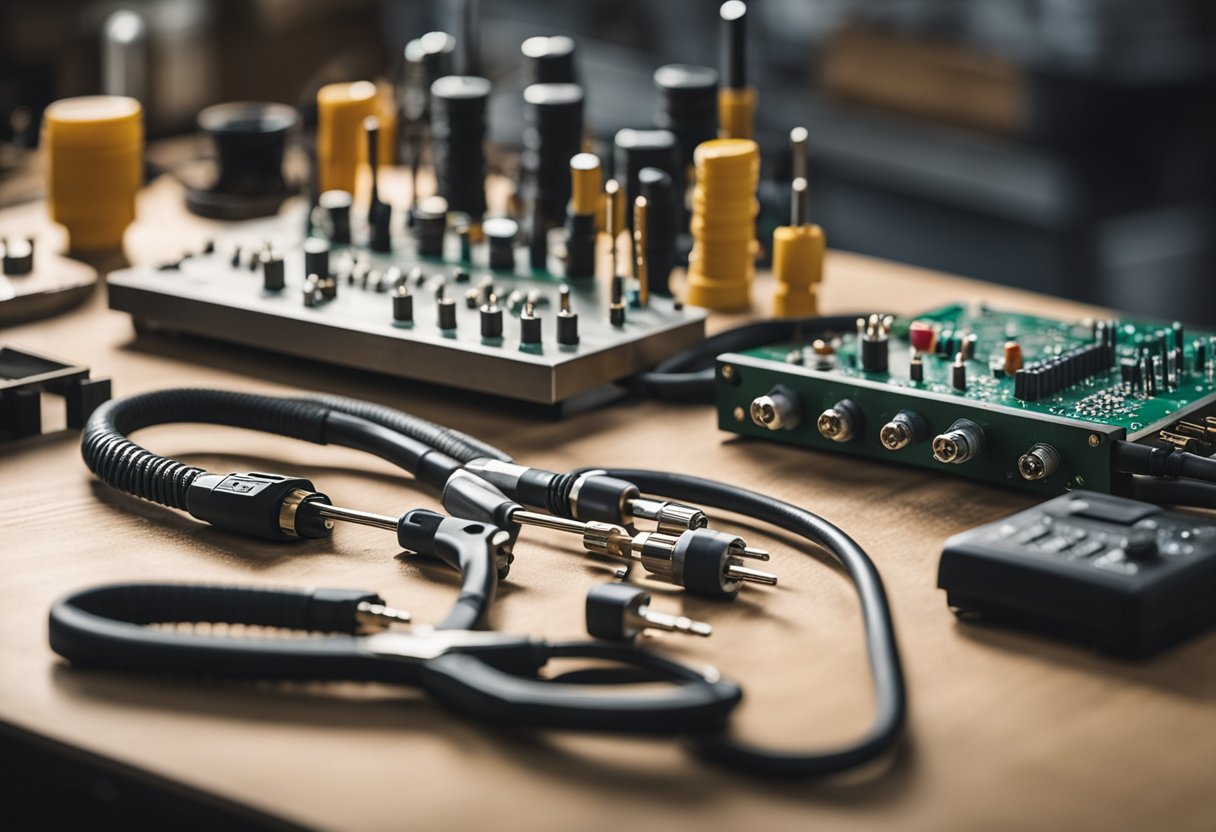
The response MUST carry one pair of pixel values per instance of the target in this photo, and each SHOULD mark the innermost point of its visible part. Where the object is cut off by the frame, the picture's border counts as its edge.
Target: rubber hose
(688, 376)
(887, 728)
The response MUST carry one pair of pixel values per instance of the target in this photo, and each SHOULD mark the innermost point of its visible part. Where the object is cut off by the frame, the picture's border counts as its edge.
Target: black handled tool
(487, 675)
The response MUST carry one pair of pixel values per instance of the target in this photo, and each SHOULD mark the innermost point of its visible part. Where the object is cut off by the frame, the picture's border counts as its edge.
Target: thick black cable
(887, 728)
(1133, 458)
(1184, 492)
(454, 443)
(688, 376)
(129, 467)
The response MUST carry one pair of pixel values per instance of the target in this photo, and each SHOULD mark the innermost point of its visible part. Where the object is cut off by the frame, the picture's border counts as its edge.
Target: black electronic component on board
(550, 59)
(274, 271)
(637, 149)
(379, 213)
(658, 188)
(567, 321)
(553, 135)
(316, 257)
(491, 319)
(458, 132)
(1126, 577)
(335, 215)
(688, 105)
(403, 305)
(500, 235)
(958, 373)
(874, 343)
(430, 226)
(529, 326)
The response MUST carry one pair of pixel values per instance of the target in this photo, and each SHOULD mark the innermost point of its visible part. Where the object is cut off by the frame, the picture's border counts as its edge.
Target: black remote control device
(1123, 576)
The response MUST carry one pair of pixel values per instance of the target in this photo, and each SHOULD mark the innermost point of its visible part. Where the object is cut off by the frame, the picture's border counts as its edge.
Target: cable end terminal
(372, 617)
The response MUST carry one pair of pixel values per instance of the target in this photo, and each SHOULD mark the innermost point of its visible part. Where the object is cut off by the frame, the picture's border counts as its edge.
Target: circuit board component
(1002, 397)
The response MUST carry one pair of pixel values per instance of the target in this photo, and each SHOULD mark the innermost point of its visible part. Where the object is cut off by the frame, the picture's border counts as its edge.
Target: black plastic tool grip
(475, 688)
(105, 627)
(479, 551)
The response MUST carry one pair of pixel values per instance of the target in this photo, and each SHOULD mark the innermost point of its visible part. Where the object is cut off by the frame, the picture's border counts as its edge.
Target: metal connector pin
(673, 623)
(640, 257)
(755, 576)
(612, 199)
(375, 617)
(753, 553)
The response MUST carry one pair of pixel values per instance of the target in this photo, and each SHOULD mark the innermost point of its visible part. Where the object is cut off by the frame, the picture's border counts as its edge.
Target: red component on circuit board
(921, 336)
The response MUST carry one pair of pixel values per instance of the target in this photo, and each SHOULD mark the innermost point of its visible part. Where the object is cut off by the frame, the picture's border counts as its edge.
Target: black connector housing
(700, 561)
(259, 505)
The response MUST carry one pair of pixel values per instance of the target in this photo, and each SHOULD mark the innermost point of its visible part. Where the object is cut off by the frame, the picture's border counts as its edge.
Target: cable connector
(619, 612)
(262, 505)
(591, 496)
(371, 617)
(700, 560)
(669, 517)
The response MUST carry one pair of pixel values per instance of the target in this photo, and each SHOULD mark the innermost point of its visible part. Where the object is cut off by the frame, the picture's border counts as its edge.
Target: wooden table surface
(1005, 731)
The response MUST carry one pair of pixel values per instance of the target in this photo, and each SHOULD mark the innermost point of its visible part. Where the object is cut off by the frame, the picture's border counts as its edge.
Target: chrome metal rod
(362, 518)
(744, 573)
(548, 521)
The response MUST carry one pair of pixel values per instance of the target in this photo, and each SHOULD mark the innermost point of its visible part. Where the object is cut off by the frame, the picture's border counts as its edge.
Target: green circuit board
(1082, 384)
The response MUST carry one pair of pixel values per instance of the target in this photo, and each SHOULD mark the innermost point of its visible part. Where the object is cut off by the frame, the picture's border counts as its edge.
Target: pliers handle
(490, 676)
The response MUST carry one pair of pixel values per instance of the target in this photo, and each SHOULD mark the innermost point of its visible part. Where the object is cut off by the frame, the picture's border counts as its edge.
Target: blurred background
(1064, 146)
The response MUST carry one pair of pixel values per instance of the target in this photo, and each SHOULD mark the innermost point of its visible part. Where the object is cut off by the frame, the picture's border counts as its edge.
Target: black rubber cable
(688, 376)
(127, 466)
(1184, 492)
(455, 444)
(1133, 458)
(887, 728)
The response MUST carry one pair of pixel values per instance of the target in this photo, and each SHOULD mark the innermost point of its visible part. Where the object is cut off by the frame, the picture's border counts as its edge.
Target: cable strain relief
(1161, 462)
(557, 496)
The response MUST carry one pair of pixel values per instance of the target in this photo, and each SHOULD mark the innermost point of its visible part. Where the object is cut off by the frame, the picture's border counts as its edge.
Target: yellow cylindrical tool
(341, 109)
(586, 184)
(736, 99)
(736, 112)
(798, 261)
(722, 263)
(94, 162)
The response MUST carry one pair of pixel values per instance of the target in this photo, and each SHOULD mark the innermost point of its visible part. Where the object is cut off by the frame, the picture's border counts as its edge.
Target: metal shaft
(798, 137)
(641, 262)
(674, 623)
(351, 515)
(755, 576)
(548, 521)
(799, 207)
(371, 124)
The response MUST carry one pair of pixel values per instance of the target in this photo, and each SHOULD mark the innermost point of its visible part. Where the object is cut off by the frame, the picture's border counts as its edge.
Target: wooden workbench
(1005, 731)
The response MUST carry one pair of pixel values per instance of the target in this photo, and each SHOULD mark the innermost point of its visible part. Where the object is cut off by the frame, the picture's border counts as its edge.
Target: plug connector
(261, 505)
(669, 517)
(590, 496)
(700, 560)
(619, 612)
